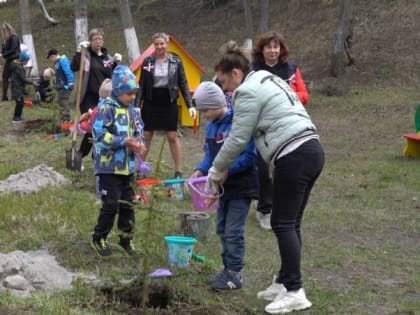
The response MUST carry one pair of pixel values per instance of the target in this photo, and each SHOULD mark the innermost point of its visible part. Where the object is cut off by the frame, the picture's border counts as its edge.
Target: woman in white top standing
(162, 77)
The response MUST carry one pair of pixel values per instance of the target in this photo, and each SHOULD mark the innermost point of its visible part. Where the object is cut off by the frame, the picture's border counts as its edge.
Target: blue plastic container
(179, 250)
(174, 188)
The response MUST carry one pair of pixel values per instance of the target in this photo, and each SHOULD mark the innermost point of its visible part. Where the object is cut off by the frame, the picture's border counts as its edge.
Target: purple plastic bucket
(200, 198)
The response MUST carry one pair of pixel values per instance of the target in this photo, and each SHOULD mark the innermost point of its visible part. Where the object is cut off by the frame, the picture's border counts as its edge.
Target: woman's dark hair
(232, 57)
(264, 40)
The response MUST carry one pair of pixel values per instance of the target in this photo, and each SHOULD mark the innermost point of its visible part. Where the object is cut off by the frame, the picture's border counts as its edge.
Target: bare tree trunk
(341, 36)
(348, 44)
(27, 33)
(264, 16)
(45, 12)
(81, 21)
(129, 31)
(248, 23)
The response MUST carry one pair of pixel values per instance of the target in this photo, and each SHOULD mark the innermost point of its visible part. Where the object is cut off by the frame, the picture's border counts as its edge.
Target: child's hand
(135, 145)
(196, 174)
(84, 116)
(141, 149)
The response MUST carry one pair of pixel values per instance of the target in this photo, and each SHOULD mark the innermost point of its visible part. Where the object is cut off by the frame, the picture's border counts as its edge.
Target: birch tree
(249, 24)
(264, 6)
(81, 21)
(45, 12)
(27, 38)
(129, 31)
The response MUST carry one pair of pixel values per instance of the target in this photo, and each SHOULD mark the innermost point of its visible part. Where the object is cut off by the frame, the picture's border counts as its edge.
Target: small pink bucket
(200, 198)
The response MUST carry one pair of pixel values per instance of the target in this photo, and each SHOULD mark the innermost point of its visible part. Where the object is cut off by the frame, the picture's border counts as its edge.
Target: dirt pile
(35, 271)
(32, 180)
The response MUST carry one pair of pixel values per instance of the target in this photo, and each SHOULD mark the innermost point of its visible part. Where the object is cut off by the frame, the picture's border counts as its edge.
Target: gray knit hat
(209, 95)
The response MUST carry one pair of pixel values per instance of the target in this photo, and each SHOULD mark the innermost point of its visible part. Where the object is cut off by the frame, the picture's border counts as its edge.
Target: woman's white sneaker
(272, 291)
(288, 302)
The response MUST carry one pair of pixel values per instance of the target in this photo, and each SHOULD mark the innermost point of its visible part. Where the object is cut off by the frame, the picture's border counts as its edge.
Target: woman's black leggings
(294, 176)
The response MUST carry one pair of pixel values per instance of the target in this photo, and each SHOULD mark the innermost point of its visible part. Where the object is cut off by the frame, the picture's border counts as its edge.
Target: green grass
(361, 228)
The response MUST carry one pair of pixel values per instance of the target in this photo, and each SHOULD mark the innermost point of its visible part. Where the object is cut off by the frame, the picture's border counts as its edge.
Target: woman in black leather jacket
(162, 77)
(10, 50)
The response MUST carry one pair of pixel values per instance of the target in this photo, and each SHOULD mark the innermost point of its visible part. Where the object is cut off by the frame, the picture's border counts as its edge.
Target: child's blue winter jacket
(243, 179)
(113, 123)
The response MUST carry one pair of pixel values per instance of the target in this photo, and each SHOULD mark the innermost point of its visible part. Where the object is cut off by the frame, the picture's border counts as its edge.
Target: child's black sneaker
(101, 247)
(128, 246)
(227, 280)
(17, 119)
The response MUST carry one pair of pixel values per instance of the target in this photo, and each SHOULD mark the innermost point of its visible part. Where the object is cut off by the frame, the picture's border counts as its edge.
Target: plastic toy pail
(174, 188)
(202, 201)
(28, 103)
(147, 184)
(179, 250)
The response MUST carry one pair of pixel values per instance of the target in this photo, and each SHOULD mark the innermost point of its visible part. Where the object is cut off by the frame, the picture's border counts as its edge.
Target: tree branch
(46, 15)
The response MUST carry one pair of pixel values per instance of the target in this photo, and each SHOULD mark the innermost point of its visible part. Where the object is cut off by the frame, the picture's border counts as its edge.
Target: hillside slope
(386, 39)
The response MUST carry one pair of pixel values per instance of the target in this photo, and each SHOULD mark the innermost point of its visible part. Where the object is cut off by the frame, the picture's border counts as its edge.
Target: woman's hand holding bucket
(217, 176)
(214, 179)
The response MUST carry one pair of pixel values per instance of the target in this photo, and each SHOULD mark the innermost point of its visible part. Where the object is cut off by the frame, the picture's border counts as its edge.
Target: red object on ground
(28, 103)
(67, 125)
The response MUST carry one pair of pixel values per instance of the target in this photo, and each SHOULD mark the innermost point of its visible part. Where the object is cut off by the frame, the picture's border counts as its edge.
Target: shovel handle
(79, 91)
(195, 127)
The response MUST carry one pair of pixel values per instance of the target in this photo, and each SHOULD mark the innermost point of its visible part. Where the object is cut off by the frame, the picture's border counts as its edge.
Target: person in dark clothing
(271, 54)
(10, 50)
(43, 86)
(99, 65)
(19, 81)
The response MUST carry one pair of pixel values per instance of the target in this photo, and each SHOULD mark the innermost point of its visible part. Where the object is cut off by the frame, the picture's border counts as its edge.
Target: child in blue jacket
(64, 82)
(117, 131)
(240, 187)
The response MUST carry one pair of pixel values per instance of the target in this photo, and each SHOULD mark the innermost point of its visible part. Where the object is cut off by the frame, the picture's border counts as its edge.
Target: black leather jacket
(176, 80)
(10, 49)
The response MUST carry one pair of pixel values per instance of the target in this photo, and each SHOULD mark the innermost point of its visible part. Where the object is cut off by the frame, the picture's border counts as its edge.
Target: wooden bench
(412, 147)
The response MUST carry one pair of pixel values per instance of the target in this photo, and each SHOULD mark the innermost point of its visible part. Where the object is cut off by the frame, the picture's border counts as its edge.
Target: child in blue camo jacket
(117, 131)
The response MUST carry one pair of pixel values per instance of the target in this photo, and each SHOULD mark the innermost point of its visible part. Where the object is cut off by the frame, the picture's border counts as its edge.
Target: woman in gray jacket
(266, 108)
